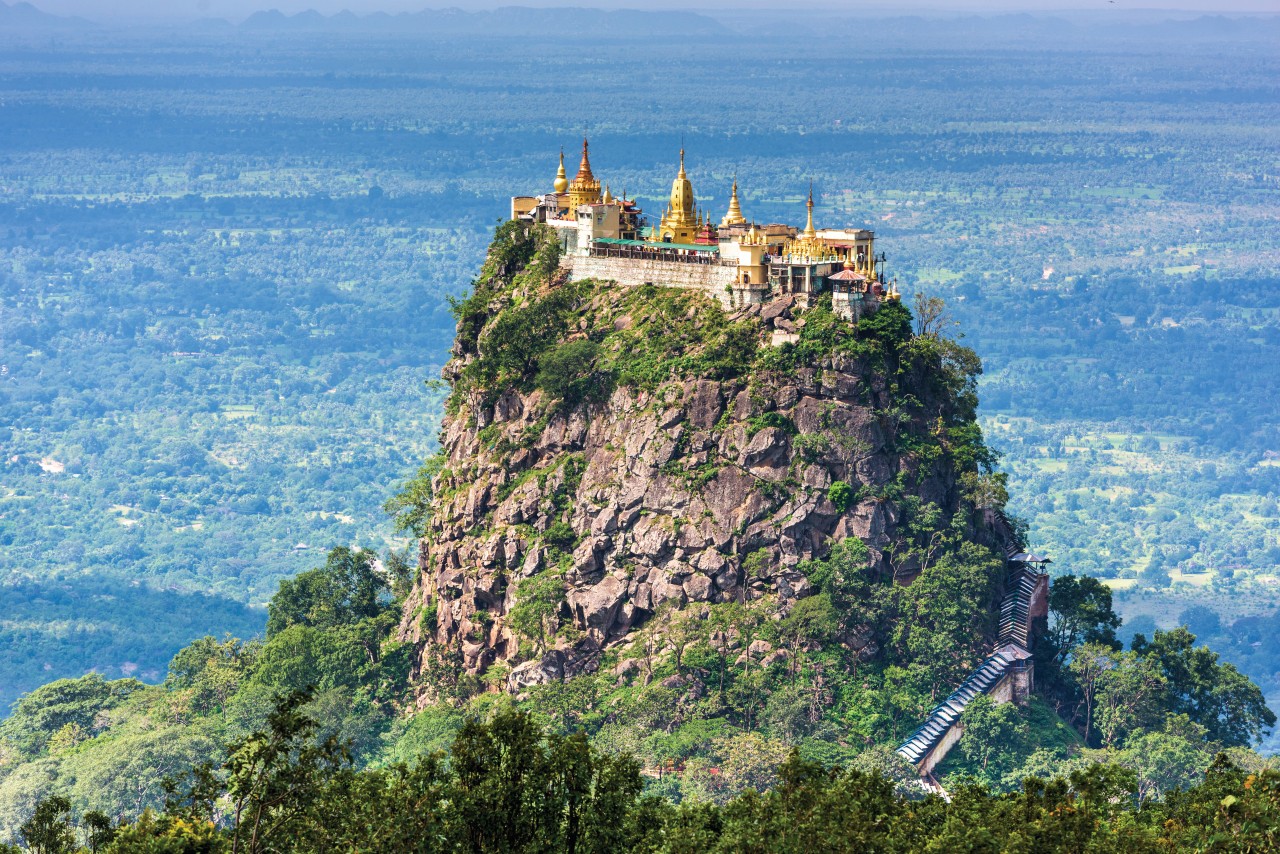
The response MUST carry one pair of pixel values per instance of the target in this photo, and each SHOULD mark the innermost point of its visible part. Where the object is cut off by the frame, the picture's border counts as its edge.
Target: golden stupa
(807, 244)
(734, 215)
(562, 180)
(680, 222)
(584, 189)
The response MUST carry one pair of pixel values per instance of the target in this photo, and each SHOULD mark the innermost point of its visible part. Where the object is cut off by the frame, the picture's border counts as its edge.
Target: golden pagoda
(734, 216)
(585, 187)
(562, 180)
(809, 231)
(680, 222)
(807, 244)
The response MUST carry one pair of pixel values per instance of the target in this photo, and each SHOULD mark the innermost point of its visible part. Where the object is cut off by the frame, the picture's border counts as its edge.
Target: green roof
(691, 247)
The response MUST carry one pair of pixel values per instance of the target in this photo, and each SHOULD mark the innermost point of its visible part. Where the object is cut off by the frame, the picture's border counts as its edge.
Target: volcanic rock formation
(684, 485)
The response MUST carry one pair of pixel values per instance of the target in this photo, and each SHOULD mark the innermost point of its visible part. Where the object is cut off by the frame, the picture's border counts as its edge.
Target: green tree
(22, 788)
(569, 373)
(749, 761)
(275, 777)
(943, 615)
(345, 590)
(49, 708)
(931, 316)
(845, 577)
(207, 672)
(810, 809)
(410, 507)
(163, 833)
(841, 495)
(1088, 667)
(49, 830)
(1165, 760)
(811, 622)
(1079, 612)
(1127, 697)
(301, 656)
(1231, 810)
(994, 737)
(538, 601)
(99, 830)
(518, 791)
(126, 774)
(401, 568)
(1230, 707)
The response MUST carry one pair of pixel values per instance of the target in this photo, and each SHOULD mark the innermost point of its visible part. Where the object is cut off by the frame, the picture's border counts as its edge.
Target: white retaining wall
(713, 279)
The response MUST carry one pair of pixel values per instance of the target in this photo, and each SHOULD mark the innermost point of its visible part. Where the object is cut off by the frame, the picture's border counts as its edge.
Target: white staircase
(1013, 650)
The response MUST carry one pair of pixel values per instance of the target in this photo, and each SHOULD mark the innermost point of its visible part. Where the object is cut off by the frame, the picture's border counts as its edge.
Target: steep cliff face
(645, 450)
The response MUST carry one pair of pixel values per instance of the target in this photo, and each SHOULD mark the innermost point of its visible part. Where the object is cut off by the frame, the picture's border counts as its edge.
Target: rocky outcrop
(696, 491)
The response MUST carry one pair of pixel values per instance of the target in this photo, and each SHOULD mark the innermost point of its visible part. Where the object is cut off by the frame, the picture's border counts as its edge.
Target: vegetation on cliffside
(859, 438)
(713, 685)
(661, 551)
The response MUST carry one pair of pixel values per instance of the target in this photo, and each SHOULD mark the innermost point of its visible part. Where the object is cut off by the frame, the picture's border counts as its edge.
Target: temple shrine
(738, 261)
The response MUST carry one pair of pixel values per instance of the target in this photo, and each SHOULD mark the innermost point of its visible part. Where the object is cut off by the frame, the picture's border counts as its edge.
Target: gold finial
(682, 161)
(562, 180)
(608, 198)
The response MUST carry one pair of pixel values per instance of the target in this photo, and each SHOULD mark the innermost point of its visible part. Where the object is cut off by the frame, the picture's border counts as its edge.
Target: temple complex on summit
(738, 261)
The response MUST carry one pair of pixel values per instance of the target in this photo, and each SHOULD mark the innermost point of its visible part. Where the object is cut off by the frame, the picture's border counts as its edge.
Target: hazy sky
(104, 10)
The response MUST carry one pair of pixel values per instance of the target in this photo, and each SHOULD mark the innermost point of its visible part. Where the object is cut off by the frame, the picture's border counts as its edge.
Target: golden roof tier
(584, 189)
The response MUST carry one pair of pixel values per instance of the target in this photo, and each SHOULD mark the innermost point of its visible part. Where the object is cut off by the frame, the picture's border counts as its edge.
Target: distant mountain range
(907, 30)
(513, 20)
(24, 16)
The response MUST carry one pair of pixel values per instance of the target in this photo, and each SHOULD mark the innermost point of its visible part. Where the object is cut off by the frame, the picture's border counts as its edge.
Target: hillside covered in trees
(824, 662)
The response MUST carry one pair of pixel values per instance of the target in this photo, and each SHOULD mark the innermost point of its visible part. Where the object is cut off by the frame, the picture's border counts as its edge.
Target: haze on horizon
(125, 10)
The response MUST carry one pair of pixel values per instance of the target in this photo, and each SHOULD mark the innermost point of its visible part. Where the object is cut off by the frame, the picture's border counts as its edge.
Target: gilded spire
(584, 168)
(681, 221)
(682, 202)
(608, 197)
(807, 244)
(734, 216)
(809, 230)
(562, 180)
(585, 187)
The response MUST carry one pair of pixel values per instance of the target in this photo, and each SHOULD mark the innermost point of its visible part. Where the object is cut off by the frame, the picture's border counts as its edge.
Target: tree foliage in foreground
(508, 786)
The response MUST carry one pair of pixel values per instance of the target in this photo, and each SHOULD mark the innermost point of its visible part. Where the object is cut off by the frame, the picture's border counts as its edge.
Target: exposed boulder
(549, 668)
(596, 608)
